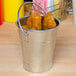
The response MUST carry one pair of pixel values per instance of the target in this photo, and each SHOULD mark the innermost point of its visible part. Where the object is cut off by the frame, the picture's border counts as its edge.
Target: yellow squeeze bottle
(10, 10)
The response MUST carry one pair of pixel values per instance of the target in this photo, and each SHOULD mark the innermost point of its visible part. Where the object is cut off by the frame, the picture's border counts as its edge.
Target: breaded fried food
(25, 26)
(49, 21)
(29, 22)
(36, 20)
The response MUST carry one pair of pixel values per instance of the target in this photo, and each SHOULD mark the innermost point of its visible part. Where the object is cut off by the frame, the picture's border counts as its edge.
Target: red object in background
(0, 12)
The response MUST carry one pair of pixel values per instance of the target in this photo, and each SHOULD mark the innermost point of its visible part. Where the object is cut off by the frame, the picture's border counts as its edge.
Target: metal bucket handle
(26, 16)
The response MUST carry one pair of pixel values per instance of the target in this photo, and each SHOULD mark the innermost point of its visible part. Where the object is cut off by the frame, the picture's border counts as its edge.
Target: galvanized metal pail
(38, 46)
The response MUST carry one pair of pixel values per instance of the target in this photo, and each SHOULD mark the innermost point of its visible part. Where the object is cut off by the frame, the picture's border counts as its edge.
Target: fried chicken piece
(36, 21)
(49, 21)
(25, 26)
(45, 28)
(33, 28)
(29, 22)
(38, 28)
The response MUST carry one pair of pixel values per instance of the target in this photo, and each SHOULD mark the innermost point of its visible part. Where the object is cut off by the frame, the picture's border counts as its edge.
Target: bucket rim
(17, 23)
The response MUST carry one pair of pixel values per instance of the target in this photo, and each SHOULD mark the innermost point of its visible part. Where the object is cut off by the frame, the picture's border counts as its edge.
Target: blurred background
(9, 9)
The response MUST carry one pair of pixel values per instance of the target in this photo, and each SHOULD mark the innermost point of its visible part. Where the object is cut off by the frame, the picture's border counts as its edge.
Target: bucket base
(34, 71)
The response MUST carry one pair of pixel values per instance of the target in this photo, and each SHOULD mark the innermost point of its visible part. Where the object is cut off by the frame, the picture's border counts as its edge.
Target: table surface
(64, 59)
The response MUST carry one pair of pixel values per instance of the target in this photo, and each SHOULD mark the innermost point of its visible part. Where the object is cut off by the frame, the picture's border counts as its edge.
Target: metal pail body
(38, 48)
